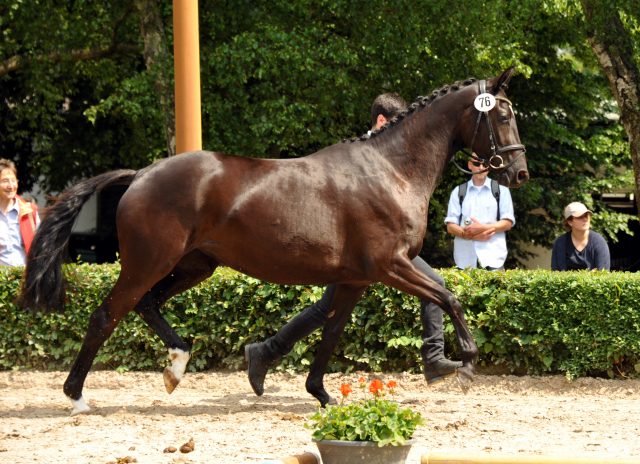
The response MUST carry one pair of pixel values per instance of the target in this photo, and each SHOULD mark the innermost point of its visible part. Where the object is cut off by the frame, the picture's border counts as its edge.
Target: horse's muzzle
(514, 177)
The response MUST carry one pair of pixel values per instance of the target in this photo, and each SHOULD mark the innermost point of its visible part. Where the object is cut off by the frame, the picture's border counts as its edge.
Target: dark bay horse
(353, 214)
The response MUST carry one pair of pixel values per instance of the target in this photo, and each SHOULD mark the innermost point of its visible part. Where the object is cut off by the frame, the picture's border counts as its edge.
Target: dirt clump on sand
(132, 415)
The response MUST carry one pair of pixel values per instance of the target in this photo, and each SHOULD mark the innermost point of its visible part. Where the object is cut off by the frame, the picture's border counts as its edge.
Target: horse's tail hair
(44, 284)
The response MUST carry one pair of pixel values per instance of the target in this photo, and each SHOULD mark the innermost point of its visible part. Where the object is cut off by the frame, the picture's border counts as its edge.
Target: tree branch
(94, 53)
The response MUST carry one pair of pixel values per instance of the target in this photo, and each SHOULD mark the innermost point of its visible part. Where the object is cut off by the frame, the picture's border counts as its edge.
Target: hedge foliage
(574, 322)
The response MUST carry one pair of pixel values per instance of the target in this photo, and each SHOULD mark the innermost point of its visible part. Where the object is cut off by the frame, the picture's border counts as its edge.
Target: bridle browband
(492, 138)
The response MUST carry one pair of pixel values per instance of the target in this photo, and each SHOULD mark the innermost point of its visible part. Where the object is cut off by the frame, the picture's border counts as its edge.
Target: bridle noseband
(492, 138)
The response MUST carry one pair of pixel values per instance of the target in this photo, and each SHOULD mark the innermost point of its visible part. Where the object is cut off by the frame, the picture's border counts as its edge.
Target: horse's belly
(286, 260)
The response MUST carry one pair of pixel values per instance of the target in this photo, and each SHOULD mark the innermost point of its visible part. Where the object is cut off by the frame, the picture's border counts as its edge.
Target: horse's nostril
(522, 175)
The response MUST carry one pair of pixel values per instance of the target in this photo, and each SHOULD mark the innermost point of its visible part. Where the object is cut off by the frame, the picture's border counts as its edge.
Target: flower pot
(365, 452)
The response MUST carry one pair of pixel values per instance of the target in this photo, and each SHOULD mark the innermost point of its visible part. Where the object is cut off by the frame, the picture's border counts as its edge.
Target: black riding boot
(436, 366)
(262, 355)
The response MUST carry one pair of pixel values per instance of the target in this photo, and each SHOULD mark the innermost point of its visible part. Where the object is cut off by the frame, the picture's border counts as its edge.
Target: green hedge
(575, 322)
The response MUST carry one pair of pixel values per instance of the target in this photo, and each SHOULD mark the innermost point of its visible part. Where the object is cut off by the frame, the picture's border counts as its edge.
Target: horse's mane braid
(419, 103)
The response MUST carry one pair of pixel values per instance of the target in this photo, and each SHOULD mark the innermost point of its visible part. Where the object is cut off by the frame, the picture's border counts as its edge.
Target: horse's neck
(427, 141)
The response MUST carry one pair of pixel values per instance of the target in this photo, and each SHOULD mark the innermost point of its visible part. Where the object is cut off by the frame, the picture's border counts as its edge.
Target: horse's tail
(43, 285)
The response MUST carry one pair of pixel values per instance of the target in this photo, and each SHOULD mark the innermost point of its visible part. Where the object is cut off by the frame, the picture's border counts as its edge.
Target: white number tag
(484, 102)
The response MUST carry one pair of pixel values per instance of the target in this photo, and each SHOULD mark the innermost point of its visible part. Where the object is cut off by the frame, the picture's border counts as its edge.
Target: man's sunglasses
(478, 163)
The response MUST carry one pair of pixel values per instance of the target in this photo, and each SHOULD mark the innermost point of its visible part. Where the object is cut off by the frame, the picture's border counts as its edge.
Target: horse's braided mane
(418, 104)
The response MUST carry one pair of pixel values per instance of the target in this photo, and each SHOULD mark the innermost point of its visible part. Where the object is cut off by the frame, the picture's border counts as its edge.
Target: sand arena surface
(229, 424)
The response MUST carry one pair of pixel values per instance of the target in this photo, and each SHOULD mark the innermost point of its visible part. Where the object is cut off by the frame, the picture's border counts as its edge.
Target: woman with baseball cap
(580, 247)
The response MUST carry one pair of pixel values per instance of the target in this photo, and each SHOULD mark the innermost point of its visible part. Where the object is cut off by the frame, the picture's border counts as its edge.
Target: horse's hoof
(79, 407)
(465, 379)
(170, 380)
(333, 401)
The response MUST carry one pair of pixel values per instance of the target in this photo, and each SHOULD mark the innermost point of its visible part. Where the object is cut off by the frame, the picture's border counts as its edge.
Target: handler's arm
(458, 231)
(453, 216)
(476, 228)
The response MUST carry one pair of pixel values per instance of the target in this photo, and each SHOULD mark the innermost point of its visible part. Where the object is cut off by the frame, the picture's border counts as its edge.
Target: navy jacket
(596, 256)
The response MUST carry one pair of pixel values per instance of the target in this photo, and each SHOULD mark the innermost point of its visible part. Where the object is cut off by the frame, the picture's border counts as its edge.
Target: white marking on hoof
(79, 407)
(173, 374)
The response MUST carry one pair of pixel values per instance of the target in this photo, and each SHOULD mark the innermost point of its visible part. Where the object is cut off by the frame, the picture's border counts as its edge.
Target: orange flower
(392, 384)
(376, 387)
(345, 389)
(361, 380)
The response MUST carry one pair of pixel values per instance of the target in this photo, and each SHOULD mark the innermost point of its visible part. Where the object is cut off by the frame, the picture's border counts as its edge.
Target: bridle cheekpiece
(496, 161)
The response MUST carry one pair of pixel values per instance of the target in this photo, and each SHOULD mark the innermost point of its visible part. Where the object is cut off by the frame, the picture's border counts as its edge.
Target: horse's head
(493, 134)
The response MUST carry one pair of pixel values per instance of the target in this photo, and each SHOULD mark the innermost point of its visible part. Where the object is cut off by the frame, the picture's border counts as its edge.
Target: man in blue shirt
(18, 219)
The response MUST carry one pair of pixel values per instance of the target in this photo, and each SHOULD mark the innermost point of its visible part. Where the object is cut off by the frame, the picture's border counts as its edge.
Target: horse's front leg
(344, 300)
(407, 278)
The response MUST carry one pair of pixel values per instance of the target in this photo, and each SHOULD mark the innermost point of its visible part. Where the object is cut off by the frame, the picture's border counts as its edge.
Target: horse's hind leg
(189, 272)
(344, 300)
(142, 267)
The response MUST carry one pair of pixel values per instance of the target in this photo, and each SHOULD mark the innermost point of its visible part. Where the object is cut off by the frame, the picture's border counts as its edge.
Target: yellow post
(485, 458)
(186, 56)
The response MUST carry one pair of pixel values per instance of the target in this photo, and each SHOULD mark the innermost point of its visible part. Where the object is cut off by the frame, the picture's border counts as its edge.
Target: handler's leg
(436, 366)
(262, 355)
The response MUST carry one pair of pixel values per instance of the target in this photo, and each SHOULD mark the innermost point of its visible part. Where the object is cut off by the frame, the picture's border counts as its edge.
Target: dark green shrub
(575, 322)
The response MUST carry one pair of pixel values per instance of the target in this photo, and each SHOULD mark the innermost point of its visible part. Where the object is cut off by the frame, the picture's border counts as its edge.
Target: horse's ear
(500, 82)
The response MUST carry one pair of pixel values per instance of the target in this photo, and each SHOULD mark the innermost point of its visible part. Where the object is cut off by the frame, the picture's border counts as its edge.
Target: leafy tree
(614, 35)
(284, 79)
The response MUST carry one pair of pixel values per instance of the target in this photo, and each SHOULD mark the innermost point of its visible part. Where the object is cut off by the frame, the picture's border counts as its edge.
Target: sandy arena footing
(132, 415)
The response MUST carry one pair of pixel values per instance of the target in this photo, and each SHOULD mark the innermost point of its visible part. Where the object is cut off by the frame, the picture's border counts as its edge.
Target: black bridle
(492, 138)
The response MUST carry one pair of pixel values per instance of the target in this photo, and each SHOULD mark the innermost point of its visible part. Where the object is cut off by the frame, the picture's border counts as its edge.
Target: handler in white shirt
(484, 239)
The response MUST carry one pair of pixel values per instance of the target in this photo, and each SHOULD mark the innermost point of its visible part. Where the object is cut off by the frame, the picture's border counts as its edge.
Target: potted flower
(373, 430)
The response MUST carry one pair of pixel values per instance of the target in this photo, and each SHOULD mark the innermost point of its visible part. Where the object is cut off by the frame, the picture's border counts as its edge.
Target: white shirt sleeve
(506, 205)
(454, 211)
